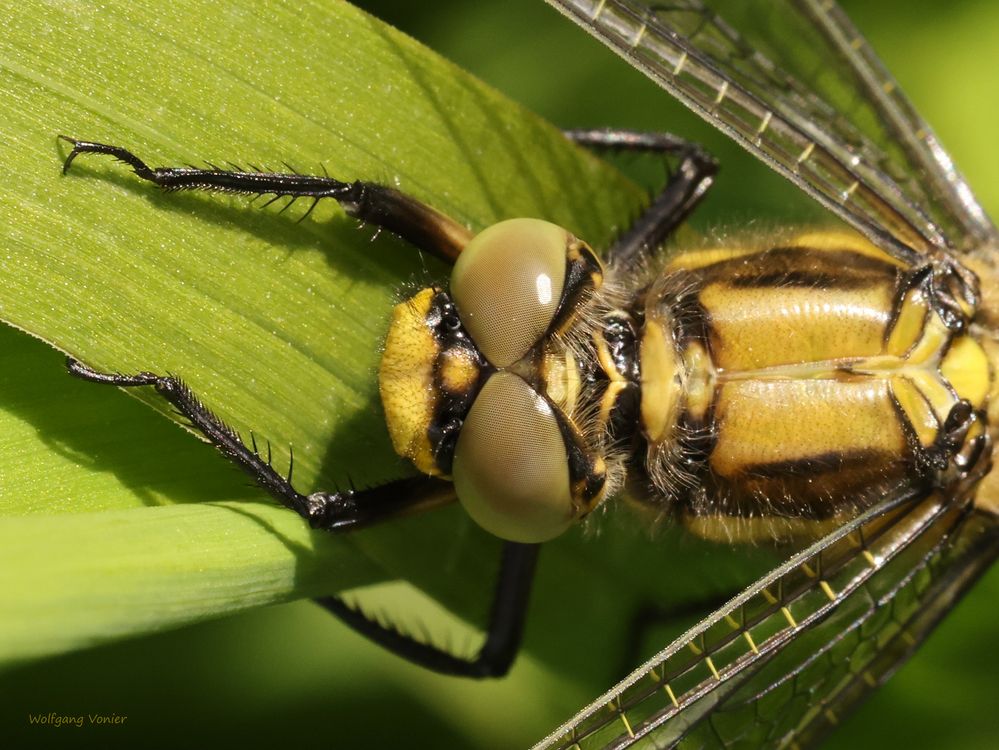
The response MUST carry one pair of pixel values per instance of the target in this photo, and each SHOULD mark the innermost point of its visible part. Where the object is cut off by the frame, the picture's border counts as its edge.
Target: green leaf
(192, 81)
(125, 524)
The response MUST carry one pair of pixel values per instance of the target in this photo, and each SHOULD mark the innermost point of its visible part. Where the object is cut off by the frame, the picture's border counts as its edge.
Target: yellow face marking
(579, 251)
(581, 503)
(406, 381)
(610, 399)
(561, 378)
(459, 372)
(604, 358)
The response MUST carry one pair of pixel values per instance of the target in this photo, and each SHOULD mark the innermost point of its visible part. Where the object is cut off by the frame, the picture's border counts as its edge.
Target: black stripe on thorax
(802, 266)
(817, 464)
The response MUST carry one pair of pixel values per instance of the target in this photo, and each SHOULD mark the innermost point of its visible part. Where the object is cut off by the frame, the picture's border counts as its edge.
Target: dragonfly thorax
(788, 386)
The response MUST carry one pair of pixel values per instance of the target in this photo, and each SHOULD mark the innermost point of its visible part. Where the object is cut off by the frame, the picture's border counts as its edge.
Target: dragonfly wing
(782, 661)
(841, 67)
(912, 604)
(798, 87)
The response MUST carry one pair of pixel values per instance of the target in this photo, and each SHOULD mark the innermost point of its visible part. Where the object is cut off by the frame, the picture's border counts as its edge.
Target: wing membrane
(782, 661)
(910, 148)
(798, 87)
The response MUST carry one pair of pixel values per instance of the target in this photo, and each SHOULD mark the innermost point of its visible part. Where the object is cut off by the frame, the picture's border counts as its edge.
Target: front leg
(415, 222)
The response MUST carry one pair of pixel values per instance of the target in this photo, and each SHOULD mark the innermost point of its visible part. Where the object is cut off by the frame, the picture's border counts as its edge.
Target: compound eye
(507, 284)
(510, 467)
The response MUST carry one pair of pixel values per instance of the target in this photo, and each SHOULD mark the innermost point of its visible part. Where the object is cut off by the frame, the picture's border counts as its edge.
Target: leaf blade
(274, 325)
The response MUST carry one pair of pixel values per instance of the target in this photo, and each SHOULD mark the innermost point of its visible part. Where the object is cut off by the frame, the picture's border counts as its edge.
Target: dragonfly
(916, 547)
(781, 663)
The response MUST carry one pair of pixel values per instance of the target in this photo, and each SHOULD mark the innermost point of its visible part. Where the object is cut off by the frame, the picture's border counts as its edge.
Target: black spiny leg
(685, 188)
(506, 623)
(353, 509)
(415, 222)
(345, 510)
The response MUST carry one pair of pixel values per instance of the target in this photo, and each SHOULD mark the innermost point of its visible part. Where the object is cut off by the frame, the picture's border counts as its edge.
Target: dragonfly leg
(351, 509)
(413, 221)
(343, 510)
(962, 453)
(506, 623)
(686, 186)
(638, 141)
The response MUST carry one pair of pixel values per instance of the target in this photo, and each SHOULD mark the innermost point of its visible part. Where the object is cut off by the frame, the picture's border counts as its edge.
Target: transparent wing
(800, 88)
(778, 665)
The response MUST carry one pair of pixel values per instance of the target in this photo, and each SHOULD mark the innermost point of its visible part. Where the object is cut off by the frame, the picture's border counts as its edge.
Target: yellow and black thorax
(788, 385)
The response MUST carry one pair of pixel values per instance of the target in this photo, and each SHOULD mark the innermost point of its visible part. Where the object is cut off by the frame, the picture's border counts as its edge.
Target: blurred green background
(290, 675)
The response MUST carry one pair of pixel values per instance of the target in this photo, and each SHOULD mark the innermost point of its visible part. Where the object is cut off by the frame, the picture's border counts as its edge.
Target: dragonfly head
(464, 386)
